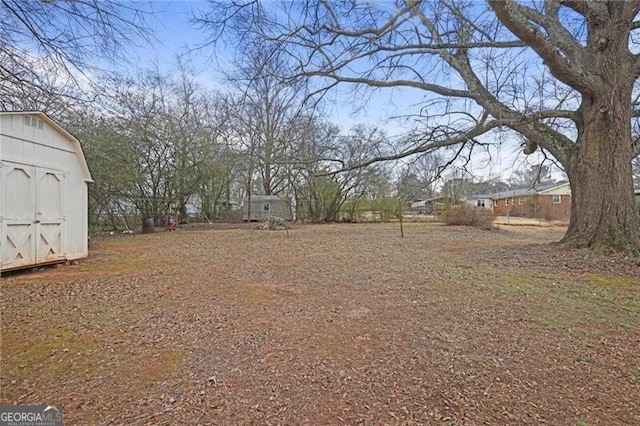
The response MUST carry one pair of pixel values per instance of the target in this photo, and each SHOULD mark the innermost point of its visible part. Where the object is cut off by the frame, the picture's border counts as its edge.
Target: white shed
(43, 192)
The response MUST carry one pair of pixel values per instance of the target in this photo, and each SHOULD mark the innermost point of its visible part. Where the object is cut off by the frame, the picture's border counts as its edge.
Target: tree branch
(537, 132)
(558, 49)
(588, 9)
(524, 124)
(441, 90)
(423, 148)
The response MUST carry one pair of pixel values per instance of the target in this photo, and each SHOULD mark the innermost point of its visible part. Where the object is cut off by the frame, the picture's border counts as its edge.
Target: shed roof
(262, 198)
(86, 174)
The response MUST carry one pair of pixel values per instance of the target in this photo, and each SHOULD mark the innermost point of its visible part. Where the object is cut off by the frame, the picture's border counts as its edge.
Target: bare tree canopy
(48, 43)
(560, 74)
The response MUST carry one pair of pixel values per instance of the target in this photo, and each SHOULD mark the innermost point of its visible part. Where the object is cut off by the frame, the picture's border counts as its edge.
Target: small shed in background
(260, 207)
(43, 192)
(432, 205)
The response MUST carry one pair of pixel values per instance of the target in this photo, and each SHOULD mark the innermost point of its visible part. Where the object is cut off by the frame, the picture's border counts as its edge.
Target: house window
(506, 201)
(520, 201)
(480, 203)
(495, 203)
(557, 198)
(266, 207)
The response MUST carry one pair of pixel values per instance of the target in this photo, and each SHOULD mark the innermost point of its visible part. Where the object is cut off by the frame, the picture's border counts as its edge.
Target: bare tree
(153, 146)
(269, 117)
(458, 185)
(531, 175)
(321, 192)
(418, 178)
(48, 46)
(560, 73)
(193, 133)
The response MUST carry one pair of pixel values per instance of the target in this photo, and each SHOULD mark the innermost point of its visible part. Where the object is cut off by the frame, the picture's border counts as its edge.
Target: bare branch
(40, 39)
(588, 9)
(445, 91)
(559, 50)
(539, 133)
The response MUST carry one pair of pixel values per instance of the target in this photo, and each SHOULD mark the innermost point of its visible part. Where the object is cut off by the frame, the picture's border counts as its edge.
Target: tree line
(158, 142)
(560, 75)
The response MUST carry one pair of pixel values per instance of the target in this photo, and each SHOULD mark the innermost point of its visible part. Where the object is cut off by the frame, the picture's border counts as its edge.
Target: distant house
(551, 202)
(260, 207)
(431, 205)
(418, 207)
(482, 201)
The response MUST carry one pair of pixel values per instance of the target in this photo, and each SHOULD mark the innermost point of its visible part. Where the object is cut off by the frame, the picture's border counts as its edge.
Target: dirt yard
(334, 324)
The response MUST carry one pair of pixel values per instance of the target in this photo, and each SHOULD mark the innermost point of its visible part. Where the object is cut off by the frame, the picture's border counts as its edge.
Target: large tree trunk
(604, 214)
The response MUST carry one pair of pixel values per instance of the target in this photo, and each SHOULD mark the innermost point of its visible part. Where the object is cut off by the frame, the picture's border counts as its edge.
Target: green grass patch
(612, 280)
(46, 353)
(560, 301)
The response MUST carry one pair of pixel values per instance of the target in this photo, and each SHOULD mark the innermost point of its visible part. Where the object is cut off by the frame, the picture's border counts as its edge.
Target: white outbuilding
(261, 207)
(43, 192)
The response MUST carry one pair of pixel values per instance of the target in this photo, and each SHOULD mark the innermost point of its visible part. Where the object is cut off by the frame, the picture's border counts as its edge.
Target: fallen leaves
(334, 324)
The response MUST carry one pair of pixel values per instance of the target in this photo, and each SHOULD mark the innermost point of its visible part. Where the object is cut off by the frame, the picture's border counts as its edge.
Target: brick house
(550, 202)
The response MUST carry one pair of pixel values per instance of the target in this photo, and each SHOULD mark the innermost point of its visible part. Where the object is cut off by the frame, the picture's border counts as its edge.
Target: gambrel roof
(75, 143)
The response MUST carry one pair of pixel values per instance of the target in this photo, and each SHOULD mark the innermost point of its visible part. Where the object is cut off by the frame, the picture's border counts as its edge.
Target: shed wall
(47, 150)
(263, 206)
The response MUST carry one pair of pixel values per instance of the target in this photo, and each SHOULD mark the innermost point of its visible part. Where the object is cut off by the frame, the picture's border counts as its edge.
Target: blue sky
(176, 35)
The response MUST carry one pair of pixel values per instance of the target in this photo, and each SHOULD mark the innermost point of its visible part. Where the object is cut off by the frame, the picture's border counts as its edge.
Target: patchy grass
(335, 324)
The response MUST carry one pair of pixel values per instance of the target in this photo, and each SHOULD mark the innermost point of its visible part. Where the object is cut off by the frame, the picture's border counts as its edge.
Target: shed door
(32, 215)
(49, 219)
(18, 207)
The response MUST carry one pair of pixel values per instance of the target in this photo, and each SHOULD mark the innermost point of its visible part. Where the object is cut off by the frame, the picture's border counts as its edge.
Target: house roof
(86, 174)
(539, 189)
